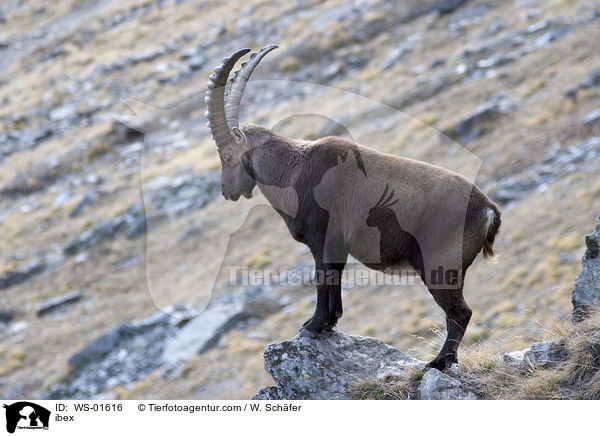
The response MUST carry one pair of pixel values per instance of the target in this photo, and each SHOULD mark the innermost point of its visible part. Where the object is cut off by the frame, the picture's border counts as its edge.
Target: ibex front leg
(329, 287)
(314, 326)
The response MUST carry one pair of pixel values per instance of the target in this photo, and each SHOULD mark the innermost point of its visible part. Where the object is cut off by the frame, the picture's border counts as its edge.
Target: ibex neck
(276, 161)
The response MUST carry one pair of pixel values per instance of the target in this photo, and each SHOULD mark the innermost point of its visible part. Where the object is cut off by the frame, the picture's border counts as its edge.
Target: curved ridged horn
(215, 98)
(238, 83)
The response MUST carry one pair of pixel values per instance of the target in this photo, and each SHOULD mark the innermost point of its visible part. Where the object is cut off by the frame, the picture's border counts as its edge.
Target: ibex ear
(239, 137)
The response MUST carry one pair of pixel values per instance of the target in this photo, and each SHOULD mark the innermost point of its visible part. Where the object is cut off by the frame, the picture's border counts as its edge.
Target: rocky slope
(105, 230)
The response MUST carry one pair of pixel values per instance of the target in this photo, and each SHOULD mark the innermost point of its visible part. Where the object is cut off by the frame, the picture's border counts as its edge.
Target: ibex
(384, 210)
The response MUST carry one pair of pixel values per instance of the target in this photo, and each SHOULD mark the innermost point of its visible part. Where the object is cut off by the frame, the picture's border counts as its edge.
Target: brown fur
(434, 217)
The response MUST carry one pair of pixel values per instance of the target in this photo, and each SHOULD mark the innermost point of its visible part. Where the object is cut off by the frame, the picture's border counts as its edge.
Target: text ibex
(341, 198)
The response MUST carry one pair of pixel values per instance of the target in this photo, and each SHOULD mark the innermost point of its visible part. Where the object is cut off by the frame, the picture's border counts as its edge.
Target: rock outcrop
(205, 330)
(547, 354)
(325, 368)
(21, 274)
(587, 283)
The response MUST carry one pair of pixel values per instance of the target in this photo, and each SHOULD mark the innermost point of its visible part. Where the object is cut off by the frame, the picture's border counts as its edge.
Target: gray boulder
(21, 274)
(102, 345)
(479, 121)
(587, 283)
(202, 332)
(219, 317)
(324, 368)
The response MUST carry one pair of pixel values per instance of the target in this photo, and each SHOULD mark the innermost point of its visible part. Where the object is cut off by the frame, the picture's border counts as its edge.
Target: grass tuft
(390, 387)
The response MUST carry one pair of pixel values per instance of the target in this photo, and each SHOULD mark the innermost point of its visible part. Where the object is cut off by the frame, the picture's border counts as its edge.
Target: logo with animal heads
(26, 415)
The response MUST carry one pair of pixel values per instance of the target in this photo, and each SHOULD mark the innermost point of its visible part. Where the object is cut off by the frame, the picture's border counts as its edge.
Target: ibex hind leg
(335, 294)
(458, 315)
(335, 306)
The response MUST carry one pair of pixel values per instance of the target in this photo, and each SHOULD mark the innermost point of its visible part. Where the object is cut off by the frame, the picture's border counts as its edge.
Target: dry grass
(577, 377)
(390, 387)
(484, 371)
(11, 360)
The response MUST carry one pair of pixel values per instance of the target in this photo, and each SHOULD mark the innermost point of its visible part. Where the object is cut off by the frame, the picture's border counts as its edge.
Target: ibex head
(223, 118)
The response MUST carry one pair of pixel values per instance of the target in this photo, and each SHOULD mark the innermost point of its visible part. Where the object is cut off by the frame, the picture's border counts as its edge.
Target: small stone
(592, 117)
(196, 62)
(332, 71)
(592, 79)
(438, 62)
(59, 302)
(18, 327)
(544, 354)
(6, 315)
(515, 357)
(447, 6)
(63, 112)
(87, 200)
(435, 385)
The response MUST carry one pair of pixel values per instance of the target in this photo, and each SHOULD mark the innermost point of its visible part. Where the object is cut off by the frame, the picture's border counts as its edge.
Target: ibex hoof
(441, 363)
(309, 334)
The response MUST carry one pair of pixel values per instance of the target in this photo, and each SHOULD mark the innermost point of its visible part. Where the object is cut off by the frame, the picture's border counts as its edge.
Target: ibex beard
(341, 198)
